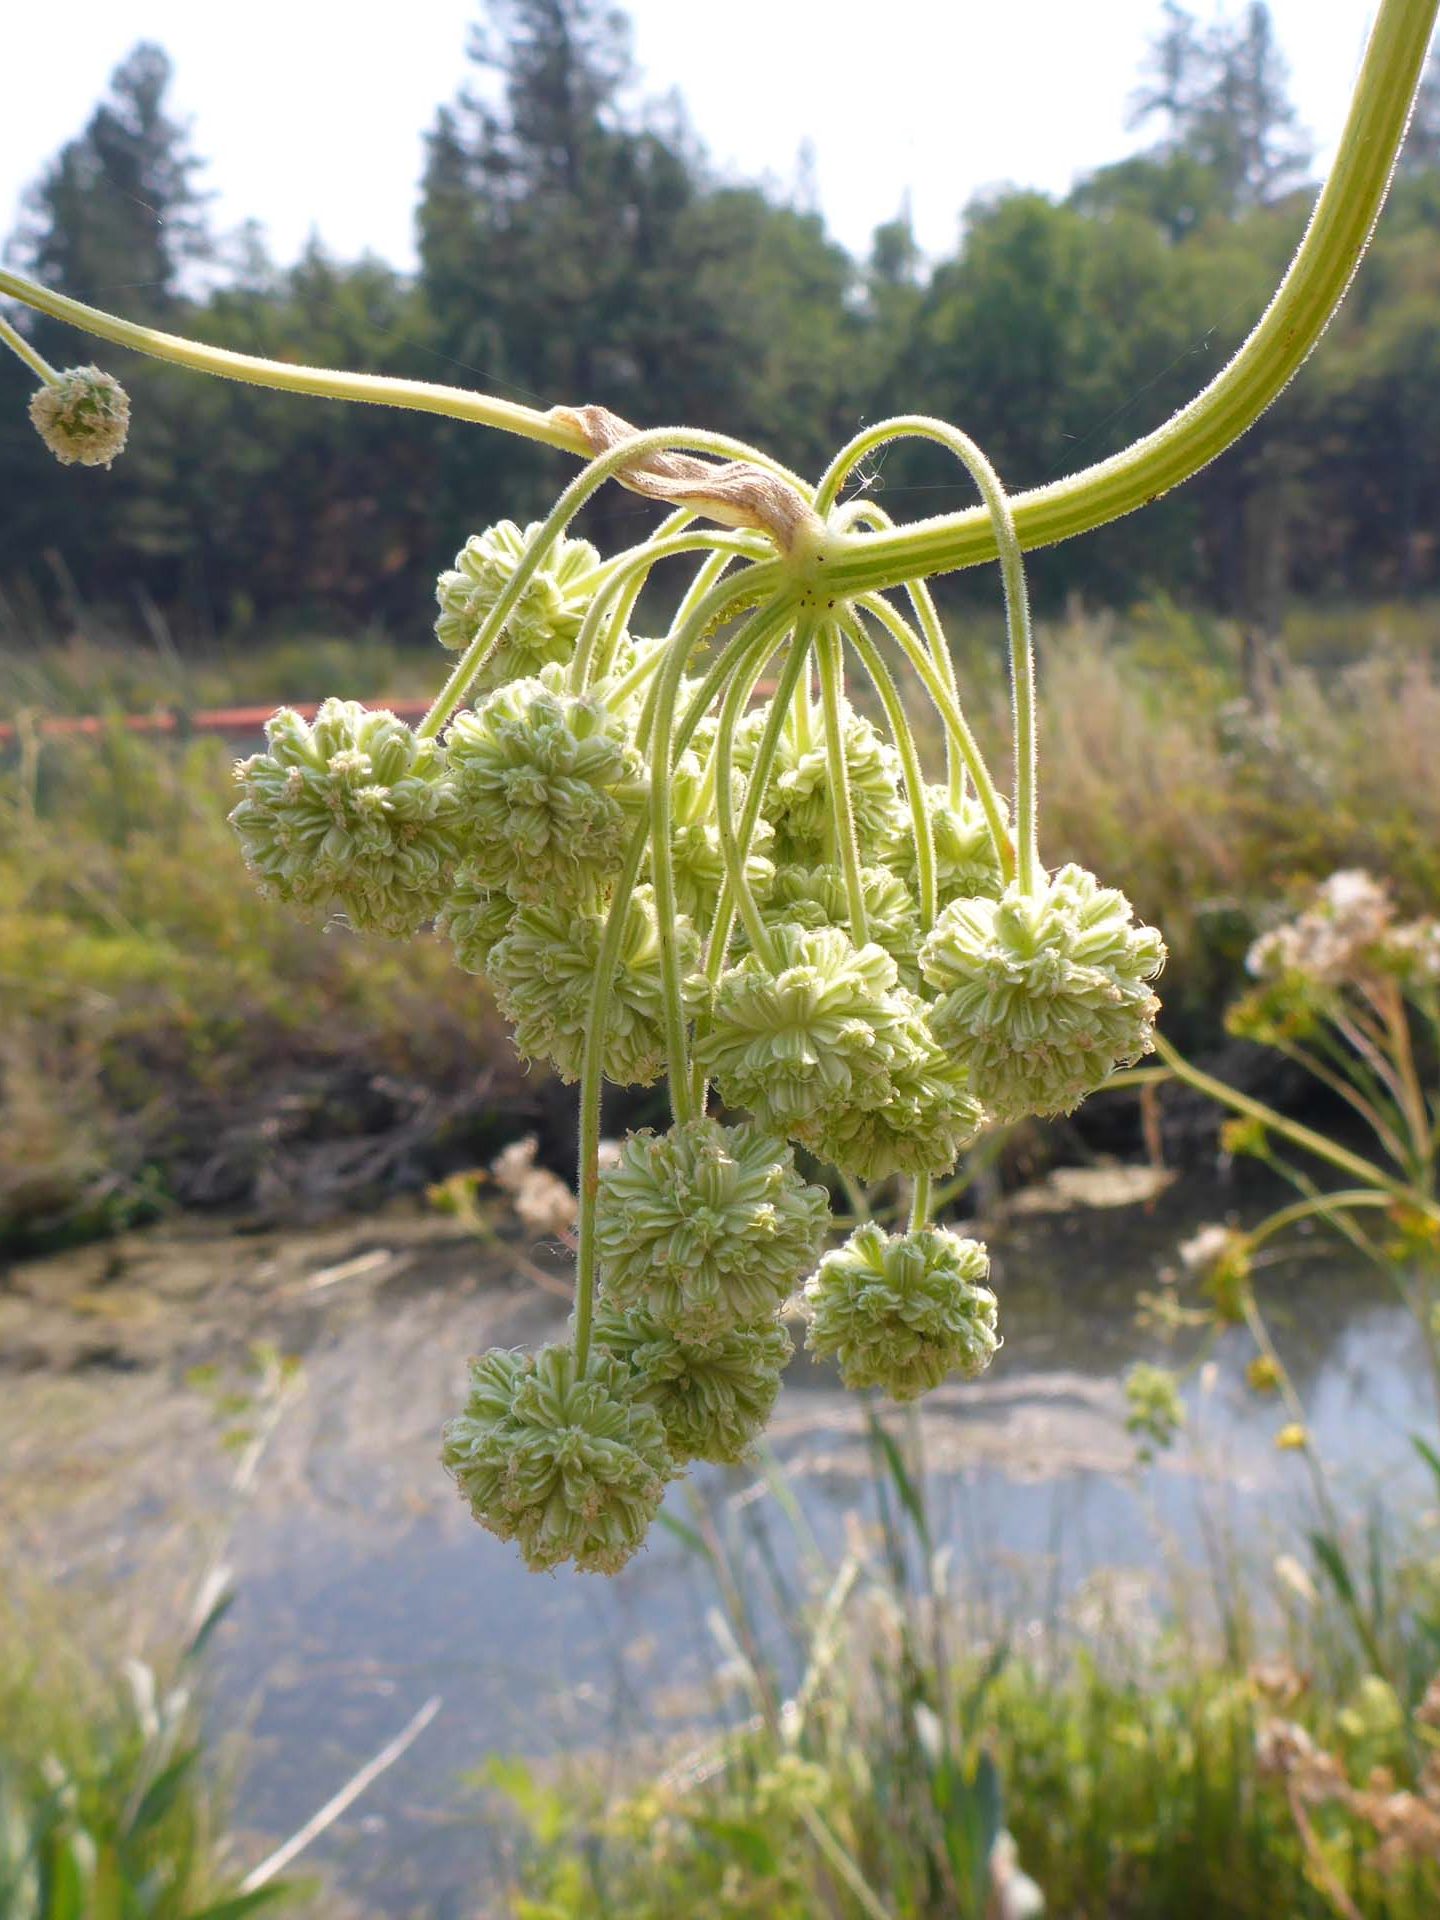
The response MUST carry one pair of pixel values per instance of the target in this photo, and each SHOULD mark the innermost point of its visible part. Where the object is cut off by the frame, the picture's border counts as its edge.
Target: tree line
(575, 243)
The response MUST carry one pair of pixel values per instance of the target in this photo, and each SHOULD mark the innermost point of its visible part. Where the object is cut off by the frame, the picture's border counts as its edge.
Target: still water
(363, 1588)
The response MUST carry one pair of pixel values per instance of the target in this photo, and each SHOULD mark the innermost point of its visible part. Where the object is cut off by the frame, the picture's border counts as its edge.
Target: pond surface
(364, 1588)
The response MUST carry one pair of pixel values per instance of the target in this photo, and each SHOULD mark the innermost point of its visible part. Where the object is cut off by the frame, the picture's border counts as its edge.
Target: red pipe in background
(210, 720)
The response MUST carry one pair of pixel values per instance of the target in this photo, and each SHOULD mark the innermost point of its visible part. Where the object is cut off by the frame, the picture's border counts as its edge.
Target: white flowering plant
(714, 854)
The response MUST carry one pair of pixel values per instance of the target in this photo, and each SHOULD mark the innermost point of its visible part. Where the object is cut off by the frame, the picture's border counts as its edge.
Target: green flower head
(543, 972)
(706, 1227)
(543, 625)
(816, 1032)
(1042, 996)
(572, 1467)
(903, 1311)
(712, 1400)
(798, 801)
(548, 785)
(817, 897)
(83, 418)
(352, 816)
(967, 867)
(474, 919)
(924, 1125)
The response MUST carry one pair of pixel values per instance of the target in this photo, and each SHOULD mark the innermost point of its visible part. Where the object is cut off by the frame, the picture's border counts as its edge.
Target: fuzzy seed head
(706, 1228)
(572, 1467)
(543, 972)
(545, 622)
(818, 1031)
(713, 1400)
(799, 804)
(1042, 996)
(354, 815)
(548, 784)
(903, 1311)
(83, 418)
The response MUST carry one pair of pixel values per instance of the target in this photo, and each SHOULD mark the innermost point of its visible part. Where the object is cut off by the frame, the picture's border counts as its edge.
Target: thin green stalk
(1322, 1204)
(604, 583)
(1292, 1131)
(592, 1058)
(23, 350)
(954, 721)
(592, 1074)
(662, 870)
(919, 1201)
(921, 824)
(827, 647)
(1017, 601)
(737, 880)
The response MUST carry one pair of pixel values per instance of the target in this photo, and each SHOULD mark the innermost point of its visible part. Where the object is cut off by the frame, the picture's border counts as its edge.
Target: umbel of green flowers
(762, 897)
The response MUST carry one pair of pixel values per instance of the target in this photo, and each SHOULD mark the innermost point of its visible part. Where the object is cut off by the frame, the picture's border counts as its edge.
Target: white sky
(311, 116)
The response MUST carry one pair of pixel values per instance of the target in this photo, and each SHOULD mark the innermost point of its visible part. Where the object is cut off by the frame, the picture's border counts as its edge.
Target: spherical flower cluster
(902, 1311)
(543, 972)
(706, 1227)
(818, 897)
(712, 1399)
(549, 783)
(928, 1119)
(83, 418)
(967, 863)
(572, 1467)
(1043, 995)
(545, 621)
(799, 801)
(817, 1030)
(354, 815)
(474, 919)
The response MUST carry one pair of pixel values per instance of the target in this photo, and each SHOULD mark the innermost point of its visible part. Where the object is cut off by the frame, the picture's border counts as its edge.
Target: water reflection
(364, 1587)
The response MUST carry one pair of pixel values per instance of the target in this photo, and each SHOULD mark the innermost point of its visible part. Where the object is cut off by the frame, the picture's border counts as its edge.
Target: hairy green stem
(1291, 1130)
(23, 350)
(768, 623)
(593, 1057)
(956, 725)
(587, 482)
(921, 824)
(1313, 287)
(1017, 604)
(827, 646)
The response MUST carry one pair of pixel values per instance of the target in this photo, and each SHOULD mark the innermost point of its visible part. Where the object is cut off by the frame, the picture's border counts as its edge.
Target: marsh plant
(714, 855)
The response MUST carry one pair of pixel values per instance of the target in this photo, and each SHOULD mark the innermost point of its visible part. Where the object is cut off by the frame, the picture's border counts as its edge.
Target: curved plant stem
(957, 727)
(592, 1062)
(592, 1059)
(23, 350)
(927, 615)
(921, 824)
(738, 888)
(827, 646)
(662, 870)
(1291, 1130)
(1017, 602)
(1313, 287)
(587, 482)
